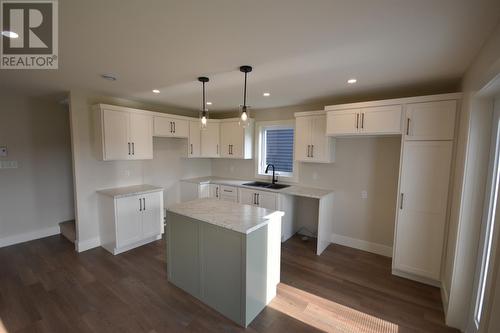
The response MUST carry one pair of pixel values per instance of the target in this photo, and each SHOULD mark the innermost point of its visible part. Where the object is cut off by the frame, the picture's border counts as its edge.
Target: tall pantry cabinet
(423, 189)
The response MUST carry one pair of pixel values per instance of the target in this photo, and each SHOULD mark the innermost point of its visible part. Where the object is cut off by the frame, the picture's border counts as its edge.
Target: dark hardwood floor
(45, 286)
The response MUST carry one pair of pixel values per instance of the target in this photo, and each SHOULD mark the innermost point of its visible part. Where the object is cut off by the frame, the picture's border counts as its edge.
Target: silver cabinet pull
(357, 120)
(401, 201)
(407, 126)
(129, 148)
(363, 120)
(133, 148)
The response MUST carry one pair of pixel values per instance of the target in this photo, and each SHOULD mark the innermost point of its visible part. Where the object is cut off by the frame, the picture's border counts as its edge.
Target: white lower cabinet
(228, 193)
(214, 191)
(422, 207)
(262, 199)
(131, 221)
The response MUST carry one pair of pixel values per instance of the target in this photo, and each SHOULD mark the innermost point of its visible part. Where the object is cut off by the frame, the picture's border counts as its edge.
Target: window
(275, 145)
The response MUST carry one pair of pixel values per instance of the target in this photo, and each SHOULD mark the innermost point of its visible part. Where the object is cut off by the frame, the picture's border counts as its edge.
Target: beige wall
(468, 183)
(362, 164)
(90, 174)
(37, 195)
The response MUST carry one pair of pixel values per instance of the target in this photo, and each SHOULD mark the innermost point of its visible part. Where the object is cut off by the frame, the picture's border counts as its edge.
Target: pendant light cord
(203, 105)
(245, 93)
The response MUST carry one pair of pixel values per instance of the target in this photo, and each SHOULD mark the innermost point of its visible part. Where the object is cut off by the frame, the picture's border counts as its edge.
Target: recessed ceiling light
(209, 103)
(352, 81)
(10, 34)
(156, 91)
(266, 94)
(109, 77)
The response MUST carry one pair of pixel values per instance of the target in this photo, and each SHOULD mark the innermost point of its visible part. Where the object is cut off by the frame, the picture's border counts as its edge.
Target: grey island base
(226, 254)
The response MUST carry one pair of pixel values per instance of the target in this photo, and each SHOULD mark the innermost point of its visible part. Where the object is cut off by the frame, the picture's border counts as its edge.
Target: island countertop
(229, 215)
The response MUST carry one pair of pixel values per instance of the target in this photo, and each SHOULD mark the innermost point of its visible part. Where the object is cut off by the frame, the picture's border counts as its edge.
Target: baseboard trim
(29, 236)
(444, 298)
(417, 278)
(87, 244)
(359, 244)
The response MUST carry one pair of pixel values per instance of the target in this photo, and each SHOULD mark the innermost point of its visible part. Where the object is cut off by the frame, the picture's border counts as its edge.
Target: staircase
(68, 230)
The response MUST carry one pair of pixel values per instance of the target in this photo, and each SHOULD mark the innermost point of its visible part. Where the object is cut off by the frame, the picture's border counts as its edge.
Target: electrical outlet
(364, 194)
(3, 151)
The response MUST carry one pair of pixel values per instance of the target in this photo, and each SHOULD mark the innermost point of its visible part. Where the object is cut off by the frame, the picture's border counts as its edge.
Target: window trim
(260, 127)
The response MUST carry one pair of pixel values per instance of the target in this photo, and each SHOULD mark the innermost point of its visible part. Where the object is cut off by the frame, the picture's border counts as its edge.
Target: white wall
(370, 164)
(37, 195)
(468, 183)
(90, 174)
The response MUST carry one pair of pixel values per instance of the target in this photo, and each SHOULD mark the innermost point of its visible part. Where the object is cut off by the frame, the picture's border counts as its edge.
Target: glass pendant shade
(244, 116)
(204, 110)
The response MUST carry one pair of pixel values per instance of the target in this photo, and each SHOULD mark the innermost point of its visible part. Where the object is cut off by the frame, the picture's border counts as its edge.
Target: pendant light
(244, 109)
(204, 110)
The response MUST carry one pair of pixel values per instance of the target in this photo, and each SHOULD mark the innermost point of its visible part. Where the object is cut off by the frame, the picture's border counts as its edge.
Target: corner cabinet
(130, 221)
(378, 120)
(311, 142)
(122, 133)
(236, 141)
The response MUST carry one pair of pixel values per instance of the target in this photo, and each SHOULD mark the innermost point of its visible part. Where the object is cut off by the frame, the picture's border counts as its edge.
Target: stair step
(68, 230)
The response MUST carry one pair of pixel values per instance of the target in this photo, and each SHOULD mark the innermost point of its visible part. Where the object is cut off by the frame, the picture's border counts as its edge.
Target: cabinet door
(194, 139)
(266, 200)
(115, 135)
(214, 191)
(344, 122)
(180, 128)
(422, 207)
(210, 140)
(320, 148)
(303, 138)
(247, 197)
(430, 121)
(163, 126)
(128, 221)
(381, 120)
(151, 214)
(231, 139)
(141, 136)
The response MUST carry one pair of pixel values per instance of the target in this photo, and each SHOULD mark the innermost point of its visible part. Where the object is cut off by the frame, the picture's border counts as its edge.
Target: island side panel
(221, 270)
(183, 253)
(262, 249)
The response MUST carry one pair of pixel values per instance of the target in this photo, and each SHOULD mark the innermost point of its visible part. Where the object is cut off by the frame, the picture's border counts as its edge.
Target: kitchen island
(226, 254)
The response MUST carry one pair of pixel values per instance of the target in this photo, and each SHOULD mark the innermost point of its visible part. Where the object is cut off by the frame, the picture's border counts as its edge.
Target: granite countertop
(120, 192)
(230, 215)
(302, 191)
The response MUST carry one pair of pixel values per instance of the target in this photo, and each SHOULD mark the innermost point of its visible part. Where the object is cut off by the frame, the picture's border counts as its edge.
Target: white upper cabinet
(311, 142)
(381, 120)
(210, 140)
(430, 120)
(123, 134)
(194, 142)
(171, 127)
(378, 120)
(236, 141)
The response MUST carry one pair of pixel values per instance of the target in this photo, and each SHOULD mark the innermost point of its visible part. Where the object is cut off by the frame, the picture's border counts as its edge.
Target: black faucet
(274, 175)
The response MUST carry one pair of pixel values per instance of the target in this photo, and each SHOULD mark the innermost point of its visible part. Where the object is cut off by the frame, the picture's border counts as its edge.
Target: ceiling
(302, 51)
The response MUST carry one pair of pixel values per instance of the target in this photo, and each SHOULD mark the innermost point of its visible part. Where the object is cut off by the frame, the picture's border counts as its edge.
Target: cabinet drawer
(229, 193)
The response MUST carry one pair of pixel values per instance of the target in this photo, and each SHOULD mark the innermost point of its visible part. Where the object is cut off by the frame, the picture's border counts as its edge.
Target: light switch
(3, 151)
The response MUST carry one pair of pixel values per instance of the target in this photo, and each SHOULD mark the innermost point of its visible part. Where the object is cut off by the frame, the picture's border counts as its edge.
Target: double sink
(266, 185)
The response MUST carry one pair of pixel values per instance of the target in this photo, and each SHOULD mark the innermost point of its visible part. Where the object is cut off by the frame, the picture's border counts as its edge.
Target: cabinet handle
(357, 120)
(312, 150)
(191, 149)
(174, 126)
(217, 149)
(171, 127)
(308, 150)
(140, 205)
(258, 198)
(401, 201)
(217, 192)
(129, 148)
(407, 126)
(133, 148)
(363, 120)
(143, 203)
